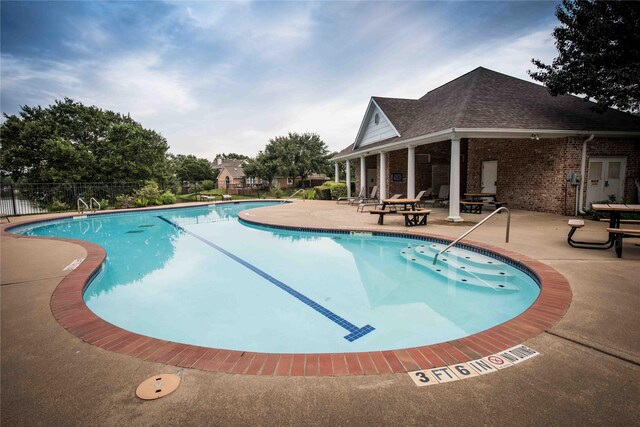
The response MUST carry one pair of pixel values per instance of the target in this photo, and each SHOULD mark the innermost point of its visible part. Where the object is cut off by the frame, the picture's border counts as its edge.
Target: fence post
(13, 199)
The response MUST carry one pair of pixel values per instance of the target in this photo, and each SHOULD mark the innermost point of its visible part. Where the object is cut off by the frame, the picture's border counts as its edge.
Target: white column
(383, 176)
(337, 175)
(411, 172)
(348, 170)
(363, 175)
(454, 182)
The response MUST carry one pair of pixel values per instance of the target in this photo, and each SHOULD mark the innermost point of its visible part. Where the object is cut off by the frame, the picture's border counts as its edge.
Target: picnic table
(412, 215)
(479, 197)
(614, 209)
(615, 233)
(407, 204)
(474, 202)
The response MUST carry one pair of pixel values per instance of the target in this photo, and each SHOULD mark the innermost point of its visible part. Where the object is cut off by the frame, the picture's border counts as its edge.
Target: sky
(216, 77)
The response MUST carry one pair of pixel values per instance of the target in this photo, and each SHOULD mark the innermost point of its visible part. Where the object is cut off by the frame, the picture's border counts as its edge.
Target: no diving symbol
(495, 360)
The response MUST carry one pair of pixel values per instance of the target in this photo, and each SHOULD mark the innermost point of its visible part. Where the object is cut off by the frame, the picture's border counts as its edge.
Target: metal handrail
(435, 258)
(302, 189)
(84, 203)
(91, 200)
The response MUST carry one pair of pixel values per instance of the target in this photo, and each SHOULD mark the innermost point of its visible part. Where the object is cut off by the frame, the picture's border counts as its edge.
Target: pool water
(201, 276)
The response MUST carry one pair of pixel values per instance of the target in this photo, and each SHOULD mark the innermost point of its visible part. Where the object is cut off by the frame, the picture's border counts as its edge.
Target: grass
(194, 197)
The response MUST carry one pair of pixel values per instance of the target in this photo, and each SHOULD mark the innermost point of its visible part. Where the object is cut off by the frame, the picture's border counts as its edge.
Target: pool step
(473, 271)
(479, 265)
(470, 258)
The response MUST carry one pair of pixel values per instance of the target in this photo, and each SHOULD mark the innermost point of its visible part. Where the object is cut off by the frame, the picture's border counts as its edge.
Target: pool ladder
(500, 209)
(82, 205)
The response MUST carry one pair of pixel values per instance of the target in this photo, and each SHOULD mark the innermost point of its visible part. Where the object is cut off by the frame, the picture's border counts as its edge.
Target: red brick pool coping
(70, 311)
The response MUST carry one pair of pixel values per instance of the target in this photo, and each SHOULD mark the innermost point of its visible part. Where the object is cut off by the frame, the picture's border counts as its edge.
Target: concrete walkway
(588, 372)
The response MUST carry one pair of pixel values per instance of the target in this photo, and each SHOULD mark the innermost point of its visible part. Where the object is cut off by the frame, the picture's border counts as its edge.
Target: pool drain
(158, 386)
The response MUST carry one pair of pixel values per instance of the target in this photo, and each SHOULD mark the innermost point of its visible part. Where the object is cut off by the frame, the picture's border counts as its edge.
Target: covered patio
(492, 133)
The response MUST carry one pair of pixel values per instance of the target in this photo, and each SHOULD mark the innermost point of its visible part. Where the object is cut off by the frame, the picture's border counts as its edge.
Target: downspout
(583, 171)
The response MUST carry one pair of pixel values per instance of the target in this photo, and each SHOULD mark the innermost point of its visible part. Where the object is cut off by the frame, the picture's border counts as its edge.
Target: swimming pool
(200, 276)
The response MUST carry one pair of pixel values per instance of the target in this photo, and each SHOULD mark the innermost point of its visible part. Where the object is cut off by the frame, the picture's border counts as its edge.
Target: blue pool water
(200, 276)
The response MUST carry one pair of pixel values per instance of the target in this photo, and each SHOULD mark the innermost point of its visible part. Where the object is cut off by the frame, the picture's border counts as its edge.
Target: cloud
(220, 77)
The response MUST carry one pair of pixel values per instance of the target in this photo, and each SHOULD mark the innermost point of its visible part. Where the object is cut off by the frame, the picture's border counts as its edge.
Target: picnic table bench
(474, 207)
(621, 233)
(411, 217)
(381, 212)
(415, 217)
(207, 197)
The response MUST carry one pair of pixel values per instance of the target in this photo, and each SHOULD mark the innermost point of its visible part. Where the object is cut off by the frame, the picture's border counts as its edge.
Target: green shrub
(168, 198)
(310, 194)
(322, 192)
(124, 202)
(208, 185)
(338, 189)
(141, 202)
(58, 206)
(149, 193)
(277, 192)
(104, 203)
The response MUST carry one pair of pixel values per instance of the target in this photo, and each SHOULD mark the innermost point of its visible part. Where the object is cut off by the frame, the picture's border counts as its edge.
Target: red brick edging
(70, 311)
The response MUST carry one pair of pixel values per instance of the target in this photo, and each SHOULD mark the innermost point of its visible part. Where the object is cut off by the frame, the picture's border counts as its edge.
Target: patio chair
(351, 199)
(372, 197)
(369, 201)
(424, 194)
(443, 197)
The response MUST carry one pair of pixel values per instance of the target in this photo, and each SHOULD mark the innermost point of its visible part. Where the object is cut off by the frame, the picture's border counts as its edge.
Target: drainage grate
(134, 231)
(146, 225)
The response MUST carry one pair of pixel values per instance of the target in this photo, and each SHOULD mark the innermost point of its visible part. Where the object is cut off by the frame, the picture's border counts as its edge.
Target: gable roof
(235, 172)
(233, 163)
(486, 99)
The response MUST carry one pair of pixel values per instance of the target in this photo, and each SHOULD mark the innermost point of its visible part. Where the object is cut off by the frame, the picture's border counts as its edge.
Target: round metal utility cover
(158, 386)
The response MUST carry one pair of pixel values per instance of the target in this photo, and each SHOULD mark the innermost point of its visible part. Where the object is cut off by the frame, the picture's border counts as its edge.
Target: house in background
(489, 132)
(231, 174)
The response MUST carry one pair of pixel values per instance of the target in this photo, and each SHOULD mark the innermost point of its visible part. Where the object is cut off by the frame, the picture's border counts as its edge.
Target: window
(376, 118)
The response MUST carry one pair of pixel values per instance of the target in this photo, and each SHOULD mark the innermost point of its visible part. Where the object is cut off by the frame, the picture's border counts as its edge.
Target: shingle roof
(484, 98)
(235, 172)
(233, 163)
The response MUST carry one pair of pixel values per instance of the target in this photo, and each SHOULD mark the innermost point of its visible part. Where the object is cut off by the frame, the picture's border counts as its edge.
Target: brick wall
(531, 174)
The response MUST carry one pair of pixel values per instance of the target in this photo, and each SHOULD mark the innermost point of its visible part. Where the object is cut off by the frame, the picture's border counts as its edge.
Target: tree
(599, 53)
(231, 156)
(297, 155)
(330, 170)
(190, 168)
(263, 167)
(68, 141)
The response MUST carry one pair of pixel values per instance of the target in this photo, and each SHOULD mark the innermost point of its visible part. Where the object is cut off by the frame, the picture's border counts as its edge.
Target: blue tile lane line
(354, 331)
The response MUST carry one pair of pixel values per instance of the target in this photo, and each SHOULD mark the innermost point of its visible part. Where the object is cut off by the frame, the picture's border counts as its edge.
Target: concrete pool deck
(588, 371)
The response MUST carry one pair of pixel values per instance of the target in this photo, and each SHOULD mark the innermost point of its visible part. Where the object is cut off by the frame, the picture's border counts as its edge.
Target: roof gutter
(480, 133)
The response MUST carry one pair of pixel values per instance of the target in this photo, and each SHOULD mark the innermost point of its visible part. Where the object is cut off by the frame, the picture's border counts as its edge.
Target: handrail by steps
(302, 189)
(81, 201)
(500, 209)
(91, 200)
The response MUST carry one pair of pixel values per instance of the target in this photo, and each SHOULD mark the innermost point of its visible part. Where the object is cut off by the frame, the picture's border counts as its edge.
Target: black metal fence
(34, 198)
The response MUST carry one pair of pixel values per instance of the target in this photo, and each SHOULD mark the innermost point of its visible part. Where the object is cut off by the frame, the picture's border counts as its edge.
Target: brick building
(489, 132)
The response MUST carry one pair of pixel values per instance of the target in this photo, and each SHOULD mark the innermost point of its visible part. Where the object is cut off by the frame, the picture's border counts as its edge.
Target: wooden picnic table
(615, 209)
(614, 232)
(408, 204)
(478, 197)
